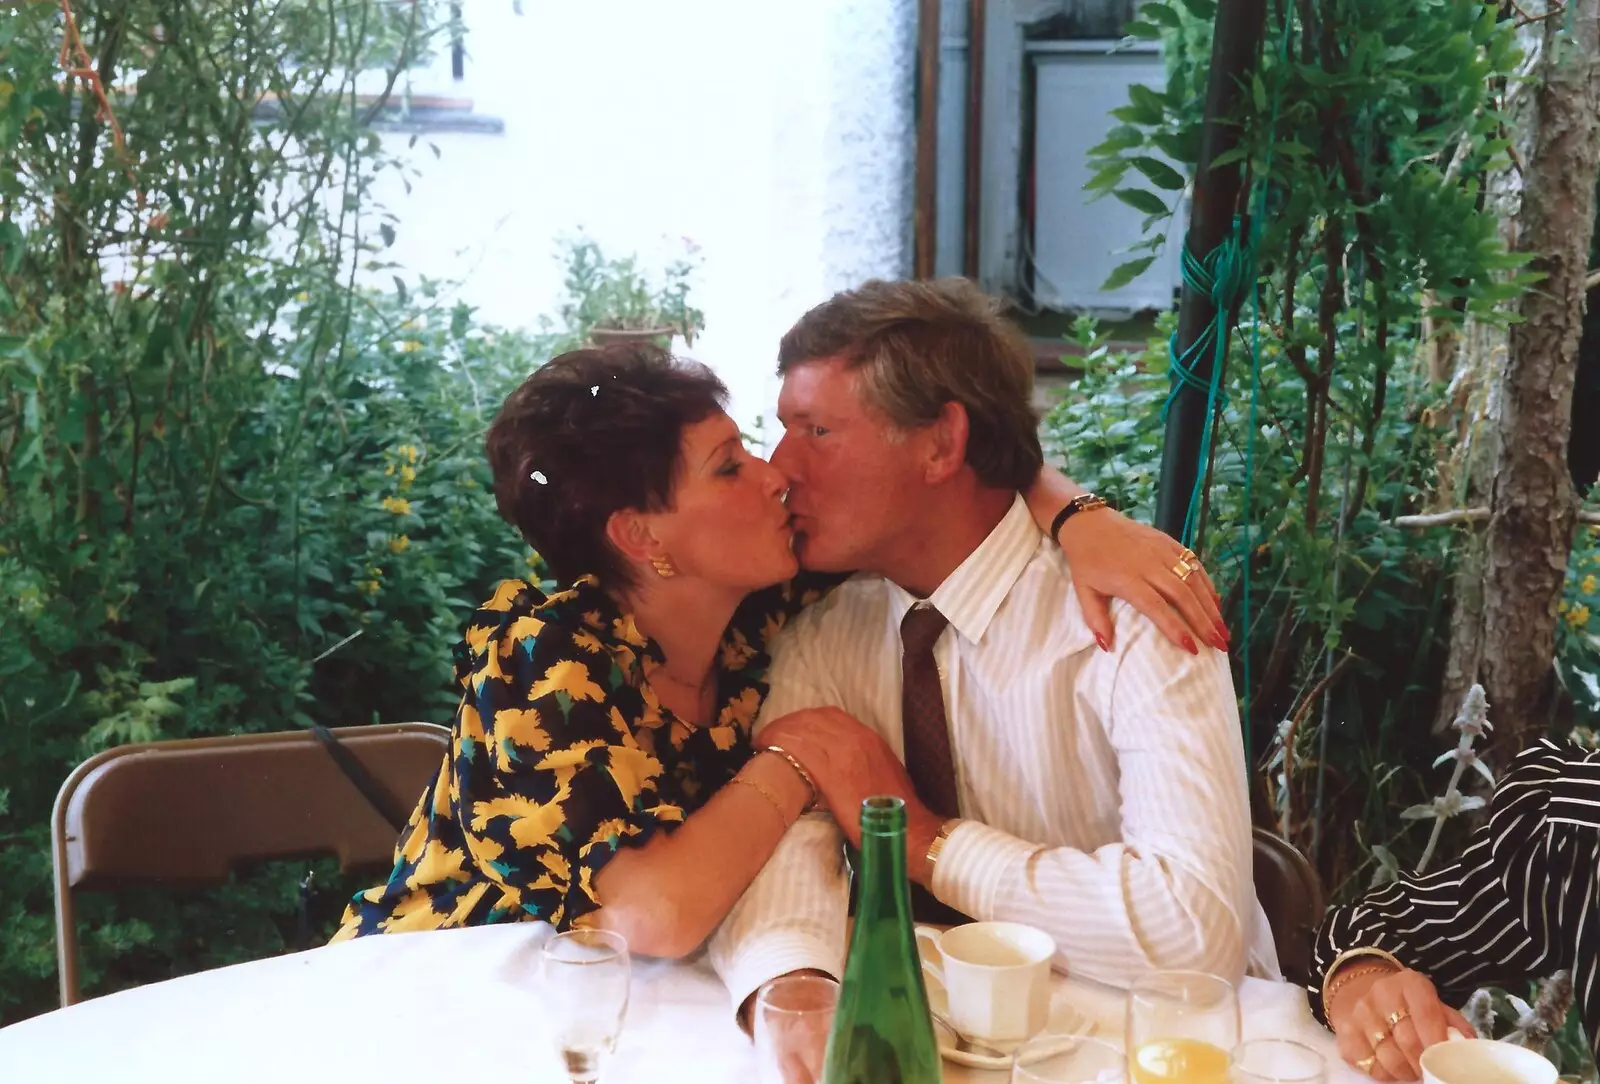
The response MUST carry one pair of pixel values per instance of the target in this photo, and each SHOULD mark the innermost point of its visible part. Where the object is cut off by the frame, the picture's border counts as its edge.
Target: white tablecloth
(458, 1004)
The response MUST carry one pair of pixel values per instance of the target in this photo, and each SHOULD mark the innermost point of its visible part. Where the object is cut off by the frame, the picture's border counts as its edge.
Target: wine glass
(1182, 1028)
(1278, 1061)
(792, 1017)
(586, 977)
(1067, 1059)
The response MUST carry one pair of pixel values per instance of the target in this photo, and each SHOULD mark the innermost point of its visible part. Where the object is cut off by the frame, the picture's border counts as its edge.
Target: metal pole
(1235, 47)
(925, 215)
(977, 20)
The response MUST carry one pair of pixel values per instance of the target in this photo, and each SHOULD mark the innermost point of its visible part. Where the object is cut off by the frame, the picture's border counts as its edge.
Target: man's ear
(629, 531)
(947, 443)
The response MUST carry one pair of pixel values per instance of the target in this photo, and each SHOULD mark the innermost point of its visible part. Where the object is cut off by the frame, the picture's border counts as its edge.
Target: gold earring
(664, 566)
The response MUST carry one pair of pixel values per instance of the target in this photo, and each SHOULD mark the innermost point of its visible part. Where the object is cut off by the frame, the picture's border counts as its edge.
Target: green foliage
(240, 489)
(1578, 631)
(1364, 139)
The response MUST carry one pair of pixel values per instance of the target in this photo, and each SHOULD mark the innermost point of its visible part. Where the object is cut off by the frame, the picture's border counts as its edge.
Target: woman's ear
(629, 531)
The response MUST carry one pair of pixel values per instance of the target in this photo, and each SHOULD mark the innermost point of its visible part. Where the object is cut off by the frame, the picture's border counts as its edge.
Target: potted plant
(612, 300)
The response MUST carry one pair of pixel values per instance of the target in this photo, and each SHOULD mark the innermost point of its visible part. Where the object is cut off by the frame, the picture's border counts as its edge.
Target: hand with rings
(1383, 1027)
(1113, 556)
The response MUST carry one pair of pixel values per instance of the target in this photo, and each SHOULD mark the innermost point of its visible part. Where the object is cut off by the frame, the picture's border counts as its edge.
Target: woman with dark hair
(594, 717)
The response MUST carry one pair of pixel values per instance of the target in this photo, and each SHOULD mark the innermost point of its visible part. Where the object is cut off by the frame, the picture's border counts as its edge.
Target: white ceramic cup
(1484, 1061)
(995, 975)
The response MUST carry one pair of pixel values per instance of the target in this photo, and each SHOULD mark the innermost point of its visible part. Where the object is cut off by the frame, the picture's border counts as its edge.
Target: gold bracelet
(1330, 986)
(799, 768)
(765, 793)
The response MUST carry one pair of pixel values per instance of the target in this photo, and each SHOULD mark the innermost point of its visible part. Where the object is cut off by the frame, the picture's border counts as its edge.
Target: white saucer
(1064, 1020)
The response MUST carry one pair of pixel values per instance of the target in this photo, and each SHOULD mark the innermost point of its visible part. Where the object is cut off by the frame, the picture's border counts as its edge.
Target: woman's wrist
(770, 771)
(799, 771)
(1351, 976)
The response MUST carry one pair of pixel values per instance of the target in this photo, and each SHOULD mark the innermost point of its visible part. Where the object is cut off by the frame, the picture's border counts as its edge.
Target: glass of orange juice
(1182, 1028)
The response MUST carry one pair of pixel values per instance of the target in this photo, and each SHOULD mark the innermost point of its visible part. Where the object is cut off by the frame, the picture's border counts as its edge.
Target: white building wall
(778, 137)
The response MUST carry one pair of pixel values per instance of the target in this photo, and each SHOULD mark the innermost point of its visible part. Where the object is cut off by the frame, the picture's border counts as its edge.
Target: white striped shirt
(1521, 903)
(1103, 794)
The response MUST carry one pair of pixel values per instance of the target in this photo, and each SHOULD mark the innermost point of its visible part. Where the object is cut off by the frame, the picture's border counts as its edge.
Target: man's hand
(1113, 556)
(1363, 1008)
(850, 762)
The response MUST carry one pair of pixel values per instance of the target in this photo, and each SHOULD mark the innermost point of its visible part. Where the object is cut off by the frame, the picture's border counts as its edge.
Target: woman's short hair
(592, 432)
(919, 345)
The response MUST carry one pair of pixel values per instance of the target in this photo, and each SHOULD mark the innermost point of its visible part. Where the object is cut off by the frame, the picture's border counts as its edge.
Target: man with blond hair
(1098, 794)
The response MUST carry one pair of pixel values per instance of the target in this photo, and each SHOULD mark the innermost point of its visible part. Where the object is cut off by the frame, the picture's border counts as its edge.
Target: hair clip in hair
(594, 389)
(538, 476)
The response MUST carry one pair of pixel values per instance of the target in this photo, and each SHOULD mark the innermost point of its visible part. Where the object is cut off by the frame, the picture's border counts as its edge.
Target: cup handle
(932, 962)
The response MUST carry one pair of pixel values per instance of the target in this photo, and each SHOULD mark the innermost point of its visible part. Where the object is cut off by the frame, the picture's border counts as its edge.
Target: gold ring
(1186, 555)
(1378, 1038)
(1366, 1064)
(1394, 1018)
(1183, 570)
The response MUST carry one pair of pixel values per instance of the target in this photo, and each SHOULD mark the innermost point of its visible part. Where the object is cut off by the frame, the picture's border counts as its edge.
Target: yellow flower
(302, 297)
(407, 476)
(398, 505)
(409, 346)
(398, 545)
(1578, 616)
(1563, 606)
(369, 587)
(409, 451)
(389, 471)
(1588, 584)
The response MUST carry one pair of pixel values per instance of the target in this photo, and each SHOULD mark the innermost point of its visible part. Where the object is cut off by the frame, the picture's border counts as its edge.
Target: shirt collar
(971, 595)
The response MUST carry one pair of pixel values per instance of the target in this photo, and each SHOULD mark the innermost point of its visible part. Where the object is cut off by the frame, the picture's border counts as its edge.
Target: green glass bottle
(882, 1032)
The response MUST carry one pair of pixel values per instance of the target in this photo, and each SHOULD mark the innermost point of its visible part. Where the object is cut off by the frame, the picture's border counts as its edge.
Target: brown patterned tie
(927, 739)
(922, 718)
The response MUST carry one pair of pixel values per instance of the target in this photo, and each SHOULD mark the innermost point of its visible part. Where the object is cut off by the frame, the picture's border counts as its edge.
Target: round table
(453, 1003)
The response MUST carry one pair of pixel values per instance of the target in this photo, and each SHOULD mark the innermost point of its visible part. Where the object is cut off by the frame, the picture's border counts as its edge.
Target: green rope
(1223, 277)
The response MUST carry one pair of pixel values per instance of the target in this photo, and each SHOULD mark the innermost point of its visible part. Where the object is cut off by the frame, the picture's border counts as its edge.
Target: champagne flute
(1278, 1061)
(1067, 1059)
(792, 1017)
(1182, 1028)
(586, 978)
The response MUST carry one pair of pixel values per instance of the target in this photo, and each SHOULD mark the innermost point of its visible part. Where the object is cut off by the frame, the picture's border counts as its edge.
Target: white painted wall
(778, 136)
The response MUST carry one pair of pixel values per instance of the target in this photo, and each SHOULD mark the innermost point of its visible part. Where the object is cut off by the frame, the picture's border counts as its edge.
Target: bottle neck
(885, 894)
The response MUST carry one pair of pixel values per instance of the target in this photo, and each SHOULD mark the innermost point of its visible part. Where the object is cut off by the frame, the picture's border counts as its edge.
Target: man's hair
(919, 345)
(588, 434)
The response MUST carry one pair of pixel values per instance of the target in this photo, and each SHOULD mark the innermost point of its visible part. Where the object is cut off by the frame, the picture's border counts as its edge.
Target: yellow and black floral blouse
(560, 754)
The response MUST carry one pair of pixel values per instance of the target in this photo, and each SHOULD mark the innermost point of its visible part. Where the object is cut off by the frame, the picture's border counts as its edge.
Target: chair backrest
(1291, 894)
(187, 813)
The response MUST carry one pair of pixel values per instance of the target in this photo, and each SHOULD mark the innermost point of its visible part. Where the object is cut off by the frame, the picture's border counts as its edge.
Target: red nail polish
(1222, 631)
(1188, 645)
(1220, 644)
(1105, 645)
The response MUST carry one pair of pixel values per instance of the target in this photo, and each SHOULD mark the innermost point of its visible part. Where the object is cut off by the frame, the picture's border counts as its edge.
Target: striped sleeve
(1519, 905)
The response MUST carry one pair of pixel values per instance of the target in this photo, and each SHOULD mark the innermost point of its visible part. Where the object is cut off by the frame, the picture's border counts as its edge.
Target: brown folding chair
(1291, 894)
(187, 813)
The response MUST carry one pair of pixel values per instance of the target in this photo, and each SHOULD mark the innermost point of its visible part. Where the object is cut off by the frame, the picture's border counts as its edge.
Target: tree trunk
(1509, 642)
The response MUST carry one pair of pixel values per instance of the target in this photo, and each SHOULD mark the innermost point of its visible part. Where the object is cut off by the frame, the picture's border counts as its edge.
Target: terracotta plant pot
(616, 336)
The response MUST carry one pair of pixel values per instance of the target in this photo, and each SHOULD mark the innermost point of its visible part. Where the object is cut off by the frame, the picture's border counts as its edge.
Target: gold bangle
(1331, 987)
(799, 769)
(765, 793)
